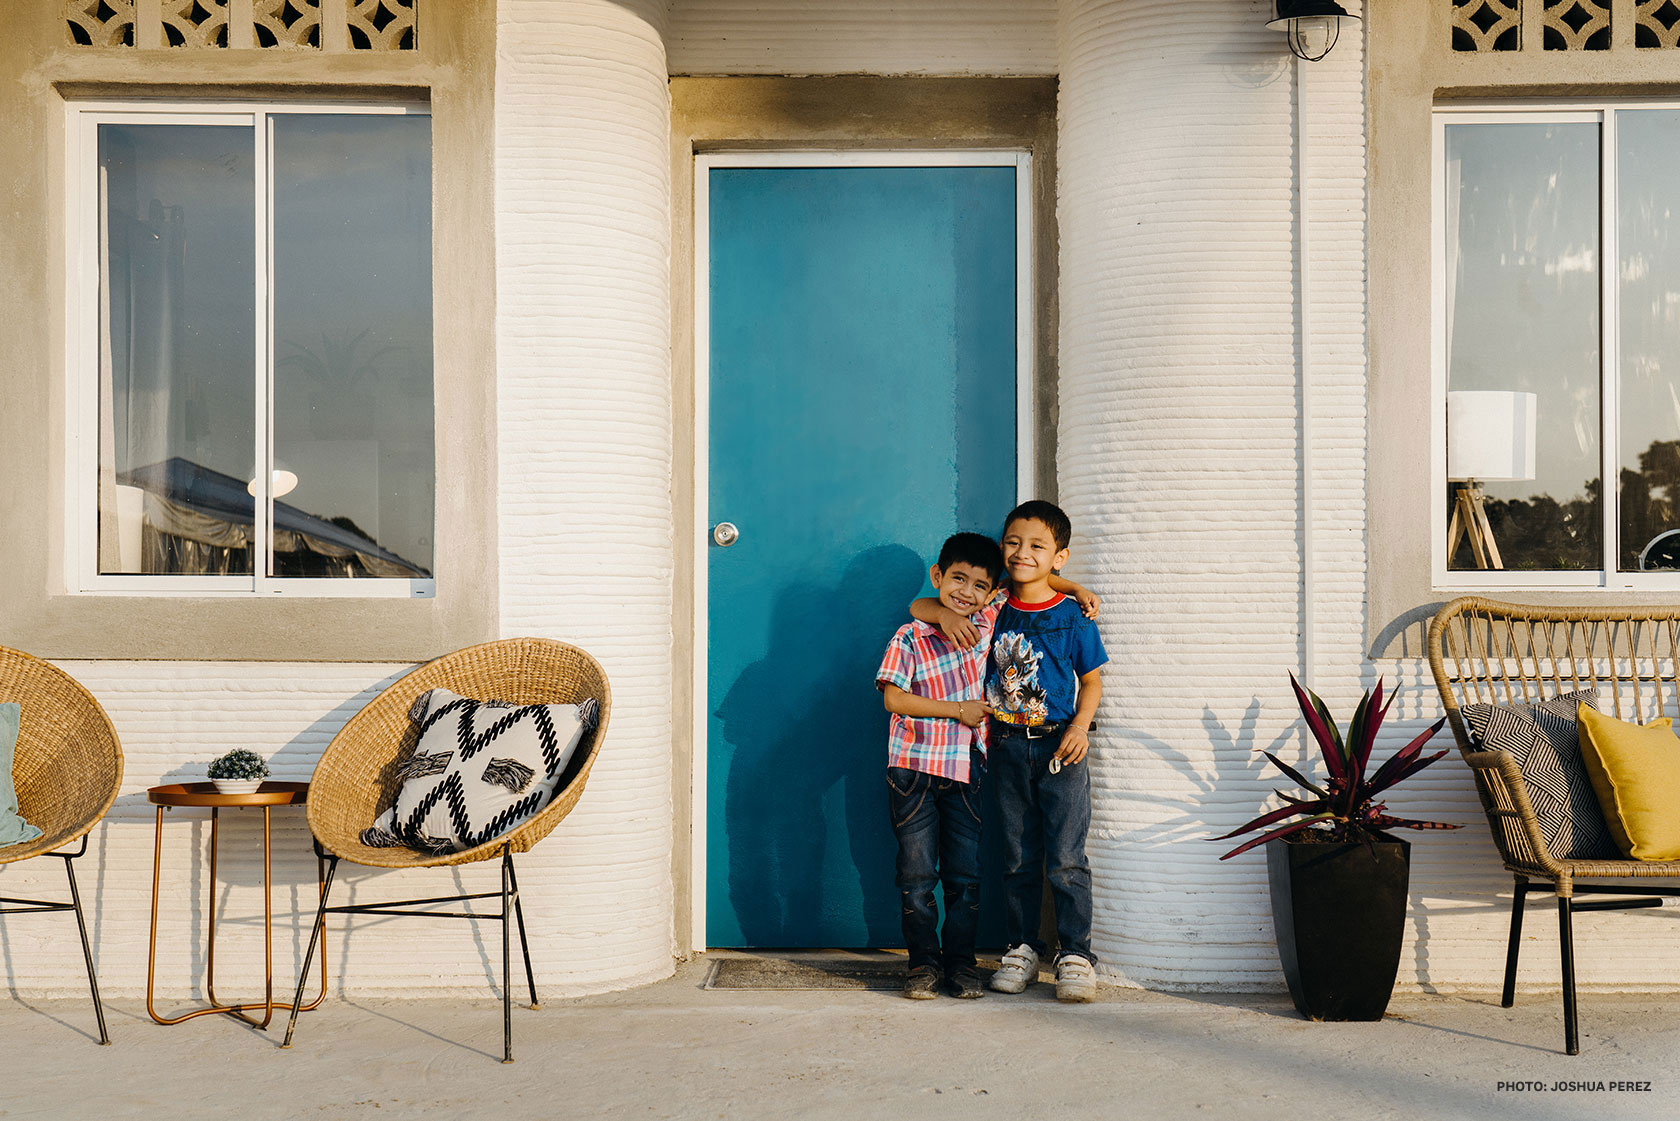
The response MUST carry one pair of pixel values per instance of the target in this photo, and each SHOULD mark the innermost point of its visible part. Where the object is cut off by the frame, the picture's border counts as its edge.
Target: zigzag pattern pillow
(479, 769)
(1545, 741)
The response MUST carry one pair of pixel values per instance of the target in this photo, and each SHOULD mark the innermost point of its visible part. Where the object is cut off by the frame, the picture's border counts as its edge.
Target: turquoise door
(861, 373)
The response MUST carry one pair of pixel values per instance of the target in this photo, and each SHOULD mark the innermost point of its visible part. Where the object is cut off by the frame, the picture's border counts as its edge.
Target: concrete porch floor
(676, 1050)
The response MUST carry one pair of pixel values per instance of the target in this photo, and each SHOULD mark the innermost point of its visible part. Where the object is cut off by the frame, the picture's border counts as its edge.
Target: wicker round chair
(67, 769)
(358, 777)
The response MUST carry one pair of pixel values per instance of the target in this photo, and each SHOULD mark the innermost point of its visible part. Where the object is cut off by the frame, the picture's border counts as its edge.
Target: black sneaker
(965, 983)
(921, 983)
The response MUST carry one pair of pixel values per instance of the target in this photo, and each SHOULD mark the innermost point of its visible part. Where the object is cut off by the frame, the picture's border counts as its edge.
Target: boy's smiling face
(1030, 552)
(963, 587)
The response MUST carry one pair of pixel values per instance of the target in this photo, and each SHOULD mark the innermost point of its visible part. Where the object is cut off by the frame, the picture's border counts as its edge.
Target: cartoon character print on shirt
(1014, 693)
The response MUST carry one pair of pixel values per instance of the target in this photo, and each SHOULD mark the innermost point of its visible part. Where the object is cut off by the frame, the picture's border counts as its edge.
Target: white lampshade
(1490, 435)
(282, 483)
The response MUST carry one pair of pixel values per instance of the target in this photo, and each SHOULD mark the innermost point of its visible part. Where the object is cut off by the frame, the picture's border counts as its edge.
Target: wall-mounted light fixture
(1313, 26)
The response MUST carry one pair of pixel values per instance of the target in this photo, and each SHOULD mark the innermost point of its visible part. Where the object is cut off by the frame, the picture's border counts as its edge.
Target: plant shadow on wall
(1235, 761)
(808, 728)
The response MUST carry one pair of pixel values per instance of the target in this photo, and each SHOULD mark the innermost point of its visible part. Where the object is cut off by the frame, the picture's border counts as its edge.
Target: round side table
(205, 795)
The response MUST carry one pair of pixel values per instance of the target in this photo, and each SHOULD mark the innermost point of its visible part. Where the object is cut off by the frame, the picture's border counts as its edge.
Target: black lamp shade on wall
(1313, 26)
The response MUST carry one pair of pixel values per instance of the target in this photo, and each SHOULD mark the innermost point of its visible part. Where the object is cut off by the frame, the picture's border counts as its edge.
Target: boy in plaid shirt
(936, 757)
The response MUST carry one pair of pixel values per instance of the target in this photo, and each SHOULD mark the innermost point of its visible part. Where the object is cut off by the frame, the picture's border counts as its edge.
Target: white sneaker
(1019, 969)
(1076, 981)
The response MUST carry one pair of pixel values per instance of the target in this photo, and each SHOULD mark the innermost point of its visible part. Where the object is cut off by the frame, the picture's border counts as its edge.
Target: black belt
(1028, 731)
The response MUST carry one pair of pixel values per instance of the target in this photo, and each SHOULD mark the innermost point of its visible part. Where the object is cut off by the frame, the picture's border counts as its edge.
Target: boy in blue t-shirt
(1043, 683)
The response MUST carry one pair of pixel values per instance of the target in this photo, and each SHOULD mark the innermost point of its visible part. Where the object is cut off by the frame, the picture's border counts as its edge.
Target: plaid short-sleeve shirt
(921, 660)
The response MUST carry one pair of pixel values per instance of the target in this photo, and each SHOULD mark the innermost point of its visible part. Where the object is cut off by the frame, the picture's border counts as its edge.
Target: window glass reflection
(1648, 205)
(353, 345)
(1522, 317)
(176, 349)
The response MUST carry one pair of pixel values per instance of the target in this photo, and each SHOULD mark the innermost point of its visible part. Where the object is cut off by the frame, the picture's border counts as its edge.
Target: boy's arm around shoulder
(958, 628)
(1089, 602)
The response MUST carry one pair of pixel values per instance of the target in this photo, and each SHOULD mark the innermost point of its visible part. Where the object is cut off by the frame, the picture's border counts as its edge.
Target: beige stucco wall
(1414, 68)
(1012, 37)
(454, 71)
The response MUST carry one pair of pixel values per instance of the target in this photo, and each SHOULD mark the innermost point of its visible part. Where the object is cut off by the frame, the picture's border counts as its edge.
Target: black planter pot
(1340, 912)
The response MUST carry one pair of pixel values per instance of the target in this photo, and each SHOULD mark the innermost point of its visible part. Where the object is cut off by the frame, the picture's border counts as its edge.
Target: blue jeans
(937, 822)
(1044, 818)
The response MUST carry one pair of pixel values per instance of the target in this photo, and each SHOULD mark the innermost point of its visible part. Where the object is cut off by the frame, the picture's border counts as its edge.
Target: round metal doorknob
(725, 534)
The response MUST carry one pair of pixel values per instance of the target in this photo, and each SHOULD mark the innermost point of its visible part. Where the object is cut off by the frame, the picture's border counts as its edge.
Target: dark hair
(972, 548)
(1049, 513)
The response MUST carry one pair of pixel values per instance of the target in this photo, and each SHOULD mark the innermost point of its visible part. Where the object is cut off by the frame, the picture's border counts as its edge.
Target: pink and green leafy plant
(1344, 807)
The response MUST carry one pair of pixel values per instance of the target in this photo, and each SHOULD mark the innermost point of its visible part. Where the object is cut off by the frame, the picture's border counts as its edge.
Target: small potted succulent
(238, 772)
(1338, 879)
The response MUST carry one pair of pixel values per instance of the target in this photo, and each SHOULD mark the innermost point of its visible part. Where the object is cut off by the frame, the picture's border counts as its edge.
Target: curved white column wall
(1178, 459)
(584, 416)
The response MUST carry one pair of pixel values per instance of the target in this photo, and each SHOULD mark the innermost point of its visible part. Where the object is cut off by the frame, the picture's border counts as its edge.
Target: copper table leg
(268, 1003)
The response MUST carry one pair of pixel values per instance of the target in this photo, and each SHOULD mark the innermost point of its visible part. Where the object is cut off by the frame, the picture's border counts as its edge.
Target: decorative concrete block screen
(1657, 24)
(1487, 25)
(1563, 25)
(308, 25)
(1576, 25)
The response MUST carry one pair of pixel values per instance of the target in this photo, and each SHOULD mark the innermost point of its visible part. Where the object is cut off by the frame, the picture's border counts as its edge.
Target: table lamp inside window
(1490, 438)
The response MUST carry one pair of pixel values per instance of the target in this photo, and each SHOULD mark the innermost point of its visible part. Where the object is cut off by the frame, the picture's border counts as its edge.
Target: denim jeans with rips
(1044, 819)
(937, 822)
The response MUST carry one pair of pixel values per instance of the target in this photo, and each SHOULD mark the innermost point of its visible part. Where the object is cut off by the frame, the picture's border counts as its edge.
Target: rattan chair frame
(358, 777)
(67, 770)
(1490, 651)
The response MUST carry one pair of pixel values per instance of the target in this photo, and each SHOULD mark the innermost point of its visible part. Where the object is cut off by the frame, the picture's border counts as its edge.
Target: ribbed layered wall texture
(1179, 459)
(1212, 454)
(173, 718)
(863, 36)
(584, 434)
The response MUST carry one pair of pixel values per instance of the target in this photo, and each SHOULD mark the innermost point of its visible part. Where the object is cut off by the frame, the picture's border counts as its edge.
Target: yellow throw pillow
(1635, 770)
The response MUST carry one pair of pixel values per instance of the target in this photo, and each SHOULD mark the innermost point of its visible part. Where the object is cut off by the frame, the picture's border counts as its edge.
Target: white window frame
(81, 505)
(1607, 579)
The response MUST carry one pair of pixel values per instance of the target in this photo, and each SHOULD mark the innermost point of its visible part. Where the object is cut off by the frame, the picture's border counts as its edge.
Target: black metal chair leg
(309, 954)
(1566, 940)
(507, 970)
(1520, 896)
(87, 951)
(524, 947)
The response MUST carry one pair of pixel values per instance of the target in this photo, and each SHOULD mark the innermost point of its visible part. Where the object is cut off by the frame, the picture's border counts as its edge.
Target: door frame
(1026, 413)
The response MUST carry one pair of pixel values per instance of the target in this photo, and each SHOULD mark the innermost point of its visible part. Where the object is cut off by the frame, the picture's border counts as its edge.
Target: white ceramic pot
(237, 785)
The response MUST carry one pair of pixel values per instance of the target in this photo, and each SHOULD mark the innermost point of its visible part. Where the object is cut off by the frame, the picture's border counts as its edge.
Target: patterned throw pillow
(1544, 740)
(479, 769)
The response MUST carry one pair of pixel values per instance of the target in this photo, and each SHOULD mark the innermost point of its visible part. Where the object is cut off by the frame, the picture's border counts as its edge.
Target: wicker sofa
(1483, 650)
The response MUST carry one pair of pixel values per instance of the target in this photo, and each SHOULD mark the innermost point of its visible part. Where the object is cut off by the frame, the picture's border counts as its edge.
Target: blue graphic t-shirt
(1039, 653)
